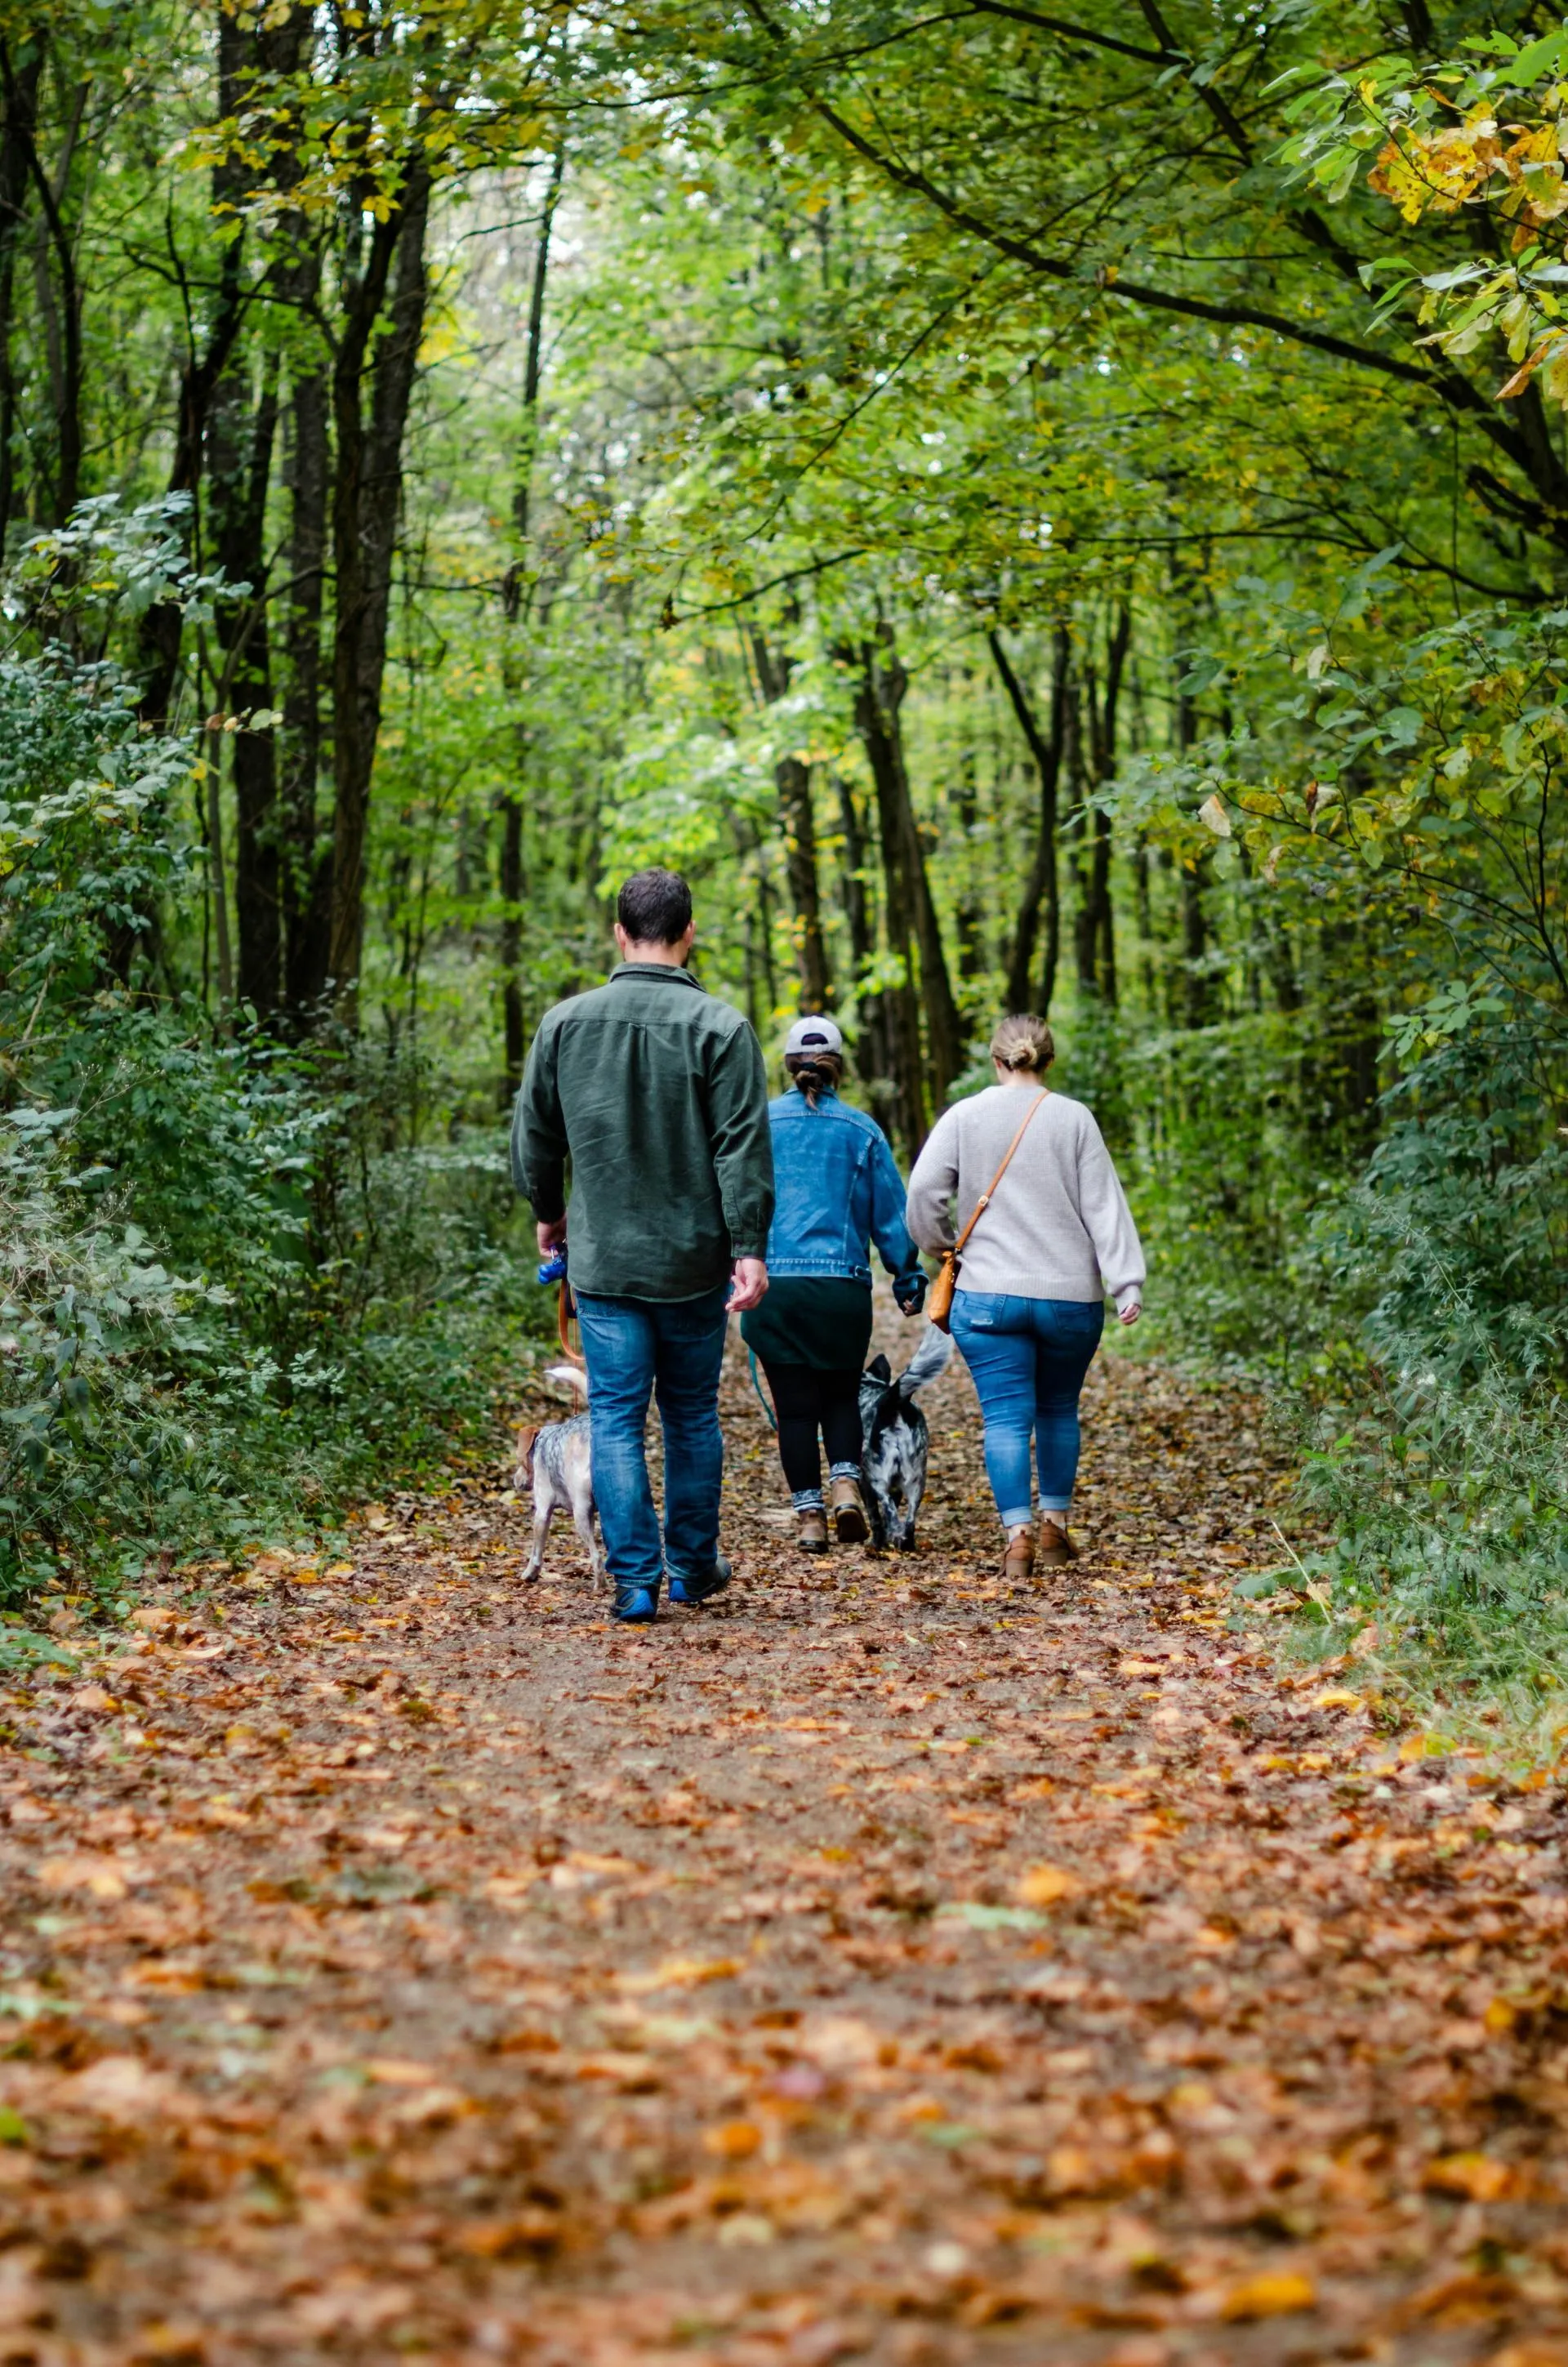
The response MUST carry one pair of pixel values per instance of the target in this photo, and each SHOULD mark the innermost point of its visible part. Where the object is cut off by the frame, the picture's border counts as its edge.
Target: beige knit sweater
(1059, 1226)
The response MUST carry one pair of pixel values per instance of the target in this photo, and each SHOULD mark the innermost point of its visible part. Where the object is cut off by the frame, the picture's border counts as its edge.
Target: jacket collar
(653, 969)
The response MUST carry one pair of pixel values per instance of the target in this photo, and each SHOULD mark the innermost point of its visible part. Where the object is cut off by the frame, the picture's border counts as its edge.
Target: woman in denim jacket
(837, 1189)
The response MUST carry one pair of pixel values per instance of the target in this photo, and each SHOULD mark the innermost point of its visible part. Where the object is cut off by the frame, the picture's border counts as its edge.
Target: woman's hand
(1131, 1312)
(909, 1291)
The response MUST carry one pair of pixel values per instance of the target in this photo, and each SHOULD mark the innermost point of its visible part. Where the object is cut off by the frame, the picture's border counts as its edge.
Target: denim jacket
(837, 1188)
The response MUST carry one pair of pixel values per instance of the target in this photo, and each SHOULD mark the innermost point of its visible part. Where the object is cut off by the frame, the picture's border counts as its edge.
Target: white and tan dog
(555, 1462)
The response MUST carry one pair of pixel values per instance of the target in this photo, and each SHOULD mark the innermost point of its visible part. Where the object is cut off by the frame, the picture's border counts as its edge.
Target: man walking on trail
(658, 1094)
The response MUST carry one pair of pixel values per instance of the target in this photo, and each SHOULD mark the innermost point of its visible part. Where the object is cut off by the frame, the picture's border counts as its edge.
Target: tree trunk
(874, 1053)
(1096, 931)
(1040, 888)
(877, 701)
(240, 463)
(63, 316)
(240, 54)
(367, 496)
(794, 780)
(306, 866)
(519, 606)
(17, 142)
(967, 918)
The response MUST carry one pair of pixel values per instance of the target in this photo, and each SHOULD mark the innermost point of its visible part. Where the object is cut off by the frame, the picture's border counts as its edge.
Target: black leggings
(806, 1400)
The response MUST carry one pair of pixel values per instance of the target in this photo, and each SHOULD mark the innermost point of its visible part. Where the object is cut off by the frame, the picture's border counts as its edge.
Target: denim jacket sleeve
(889, 1228)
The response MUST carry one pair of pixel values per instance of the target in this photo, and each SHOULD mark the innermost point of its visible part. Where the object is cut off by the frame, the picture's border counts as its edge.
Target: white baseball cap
(814, 1036)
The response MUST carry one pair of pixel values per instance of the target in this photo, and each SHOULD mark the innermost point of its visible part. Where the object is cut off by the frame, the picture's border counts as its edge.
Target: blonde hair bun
(1023, 1042)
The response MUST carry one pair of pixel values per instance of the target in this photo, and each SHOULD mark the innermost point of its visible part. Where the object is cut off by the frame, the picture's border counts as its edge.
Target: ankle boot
(811, 1530)
(1056, 1548)
(850, 1524)
(1019, 1559)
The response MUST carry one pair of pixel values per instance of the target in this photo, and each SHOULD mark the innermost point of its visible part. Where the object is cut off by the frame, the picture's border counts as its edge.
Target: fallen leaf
(1042, 1885)
(1475, 2175)
(1275, 2293)
(678, 1973)
(99, 1875)
(732, 2140)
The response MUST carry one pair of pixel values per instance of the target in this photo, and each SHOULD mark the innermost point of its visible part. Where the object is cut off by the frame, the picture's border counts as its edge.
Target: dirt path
(882, 1966)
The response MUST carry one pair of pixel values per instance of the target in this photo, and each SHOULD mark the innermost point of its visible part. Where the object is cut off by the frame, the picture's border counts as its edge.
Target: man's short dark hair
(654, 908)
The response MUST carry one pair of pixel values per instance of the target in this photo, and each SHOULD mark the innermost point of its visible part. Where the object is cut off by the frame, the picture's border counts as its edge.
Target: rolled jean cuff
(1013, 1519)
(808, 1500)
(1061, 1505)
(843, 1470)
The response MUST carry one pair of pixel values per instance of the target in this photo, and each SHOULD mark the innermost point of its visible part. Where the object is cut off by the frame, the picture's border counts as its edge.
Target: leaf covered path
(880, 1965)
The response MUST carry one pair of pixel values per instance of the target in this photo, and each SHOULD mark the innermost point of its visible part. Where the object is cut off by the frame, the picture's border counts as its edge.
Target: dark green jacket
(658, 1094)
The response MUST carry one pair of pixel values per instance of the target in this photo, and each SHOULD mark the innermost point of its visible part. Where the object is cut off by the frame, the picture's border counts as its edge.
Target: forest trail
(880, 1965)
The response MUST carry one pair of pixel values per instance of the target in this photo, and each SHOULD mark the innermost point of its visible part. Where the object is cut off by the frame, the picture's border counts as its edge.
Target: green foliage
(231, 1293)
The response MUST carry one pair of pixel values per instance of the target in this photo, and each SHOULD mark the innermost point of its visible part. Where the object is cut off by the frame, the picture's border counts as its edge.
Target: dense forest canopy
(1028, 510)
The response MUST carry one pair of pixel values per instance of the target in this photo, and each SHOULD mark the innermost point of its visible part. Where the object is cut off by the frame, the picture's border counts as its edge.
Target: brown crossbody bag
(939, 1306)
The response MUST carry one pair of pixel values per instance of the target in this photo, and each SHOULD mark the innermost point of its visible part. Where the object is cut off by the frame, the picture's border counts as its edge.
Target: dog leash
(565, 1310)
(756, 1383)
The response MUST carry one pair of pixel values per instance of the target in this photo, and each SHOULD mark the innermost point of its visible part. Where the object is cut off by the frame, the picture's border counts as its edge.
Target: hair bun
(1023, 1042)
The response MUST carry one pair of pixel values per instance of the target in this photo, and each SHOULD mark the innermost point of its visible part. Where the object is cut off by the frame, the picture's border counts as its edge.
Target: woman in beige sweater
(1030, 1305)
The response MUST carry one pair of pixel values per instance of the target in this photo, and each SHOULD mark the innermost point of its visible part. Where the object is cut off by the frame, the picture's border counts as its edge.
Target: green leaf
(1536, 61)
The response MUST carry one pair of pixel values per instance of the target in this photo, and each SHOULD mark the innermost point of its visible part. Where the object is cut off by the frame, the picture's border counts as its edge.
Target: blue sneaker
(637, 1604)
(694, 1589)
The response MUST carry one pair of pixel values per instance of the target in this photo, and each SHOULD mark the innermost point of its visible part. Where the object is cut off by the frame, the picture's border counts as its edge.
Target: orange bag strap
(984, 1202)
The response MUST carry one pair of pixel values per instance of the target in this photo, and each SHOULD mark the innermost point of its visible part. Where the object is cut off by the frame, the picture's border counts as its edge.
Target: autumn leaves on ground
(879, 1965)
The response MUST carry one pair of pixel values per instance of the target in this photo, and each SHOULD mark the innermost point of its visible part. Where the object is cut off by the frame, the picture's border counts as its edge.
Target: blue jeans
(670, 1348)
(1028, 1357)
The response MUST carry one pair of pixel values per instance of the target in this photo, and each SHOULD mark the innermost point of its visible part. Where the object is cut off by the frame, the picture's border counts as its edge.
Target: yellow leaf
(99, 1875)
(1276, 2293)
(678, 1973)
(1474, 2175)
(732, 2140)
(1337, 1697)
(1042, 1885)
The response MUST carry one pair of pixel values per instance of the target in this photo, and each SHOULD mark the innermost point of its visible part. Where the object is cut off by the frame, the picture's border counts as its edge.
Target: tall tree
(372, 385)
(1041, 890)
(17, 148)
(243, 431)
(793, 776)
(519, 606)
(911, 916)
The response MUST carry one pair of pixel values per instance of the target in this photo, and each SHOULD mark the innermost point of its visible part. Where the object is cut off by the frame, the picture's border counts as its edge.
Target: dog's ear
(526, 1442)
(879, 1369)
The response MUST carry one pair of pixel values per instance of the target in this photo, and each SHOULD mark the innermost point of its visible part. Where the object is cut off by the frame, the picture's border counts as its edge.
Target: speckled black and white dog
(895, 1441)
(556, 1463)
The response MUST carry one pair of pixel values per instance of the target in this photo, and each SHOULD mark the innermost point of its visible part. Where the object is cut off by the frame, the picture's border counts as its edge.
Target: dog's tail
(571, 1377)
(929, 1359)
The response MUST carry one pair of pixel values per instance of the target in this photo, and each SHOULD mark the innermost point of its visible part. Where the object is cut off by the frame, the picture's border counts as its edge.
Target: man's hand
(552, 1236)
(1131, 1312)
(909, 1291)
(748, 1285)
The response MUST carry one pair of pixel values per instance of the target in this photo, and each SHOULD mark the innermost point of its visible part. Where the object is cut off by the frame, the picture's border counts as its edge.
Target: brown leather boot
(1019, 1559)
(850, 1524)
(811, 1532)
(1056, 1548)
